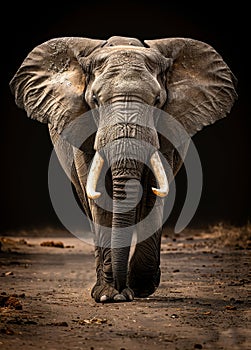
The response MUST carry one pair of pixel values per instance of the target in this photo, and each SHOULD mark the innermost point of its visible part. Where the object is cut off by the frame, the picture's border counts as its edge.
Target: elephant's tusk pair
(160, 175)
(97, 165)
(93, 176)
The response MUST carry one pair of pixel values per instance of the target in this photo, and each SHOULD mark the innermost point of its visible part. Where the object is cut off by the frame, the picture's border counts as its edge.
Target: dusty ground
(202, 302)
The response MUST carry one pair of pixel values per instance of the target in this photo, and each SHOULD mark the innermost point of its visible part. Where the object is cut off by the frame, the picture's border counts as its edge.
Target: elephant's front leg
(144, 272)
(105, 289)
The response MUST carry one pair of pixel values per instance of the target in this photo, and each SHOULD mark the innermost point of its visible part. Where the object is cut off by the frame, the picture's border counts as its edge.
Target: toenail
(119, 297)
(103, 298)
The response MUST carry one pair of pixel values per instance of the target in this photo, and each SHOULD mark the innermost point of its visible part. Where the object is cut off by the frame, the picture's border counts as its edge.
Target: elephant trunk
(125, 198)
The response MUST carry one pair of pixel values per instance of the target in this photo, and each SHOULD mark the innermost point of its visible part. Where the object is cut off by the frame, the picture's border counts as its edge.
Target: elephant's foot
(144, 285)
(106, 293)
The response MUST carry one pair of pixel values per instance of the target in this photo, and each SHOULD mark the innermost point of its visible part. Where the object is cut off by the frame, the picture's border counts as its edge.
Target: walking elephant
(122, 84)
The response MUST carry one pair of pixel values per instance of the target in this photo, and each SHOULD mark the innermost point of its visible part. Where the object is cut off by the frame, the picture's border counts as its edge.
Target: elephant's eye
(95, 99)
(157, 100)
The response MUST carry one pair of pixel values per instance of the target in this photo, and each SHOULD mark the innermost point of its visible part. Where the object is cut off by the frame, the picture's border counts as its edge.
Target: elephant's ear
(49, 84)
(200, 85)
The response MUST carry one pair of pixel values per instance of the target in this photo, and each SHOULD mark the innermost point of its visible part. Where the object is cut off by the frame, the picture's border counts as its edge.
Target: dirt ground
(203, 301)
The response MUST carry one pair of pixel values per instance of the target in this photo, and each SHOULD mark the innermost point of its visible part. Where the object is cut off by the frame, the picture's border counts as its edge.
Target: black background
(224, 147)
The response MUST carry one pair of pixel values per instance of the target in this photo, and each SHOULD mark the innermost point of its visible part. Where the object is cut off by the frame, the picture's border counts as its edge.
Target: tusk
(93, 176)
(160, 175)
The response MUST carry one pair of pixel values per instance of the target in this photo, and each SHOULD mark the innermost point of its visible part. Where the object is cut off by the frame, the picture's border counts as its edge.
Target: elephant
(120, 84)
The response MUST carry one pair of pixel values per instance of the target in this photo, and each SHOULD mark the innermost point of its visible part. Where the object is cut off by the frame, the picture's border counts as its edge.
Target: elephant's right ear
(50, 83)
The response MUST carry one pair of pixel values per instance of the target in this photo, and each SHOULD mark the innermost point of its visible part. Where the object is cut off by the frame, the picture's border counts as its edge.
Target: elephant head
(124, 80)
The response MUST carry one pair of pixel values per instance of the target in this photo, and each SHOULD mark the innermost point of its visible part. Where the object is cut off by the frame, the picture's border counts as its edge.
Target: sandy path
(203, 301)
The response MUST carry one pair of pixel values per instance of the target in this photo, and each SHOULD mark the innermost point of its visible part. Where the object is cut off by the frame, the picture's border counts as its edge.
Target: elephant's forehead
(127, 54)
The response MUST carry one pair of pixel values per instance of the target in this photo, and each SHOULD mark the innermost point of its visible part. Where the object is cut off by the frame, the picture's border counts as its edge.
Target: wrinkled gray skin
(65, 77)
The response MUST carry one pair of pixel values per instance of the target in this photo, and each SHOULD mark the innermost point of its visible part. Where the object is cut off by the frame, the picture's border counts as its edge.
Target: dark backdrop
(224, 147)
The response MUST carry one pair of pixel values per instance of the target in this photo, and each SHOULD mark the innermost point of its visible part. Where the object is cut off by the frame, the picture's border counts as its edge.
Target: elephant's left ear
(50, 82)
(200, 85)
